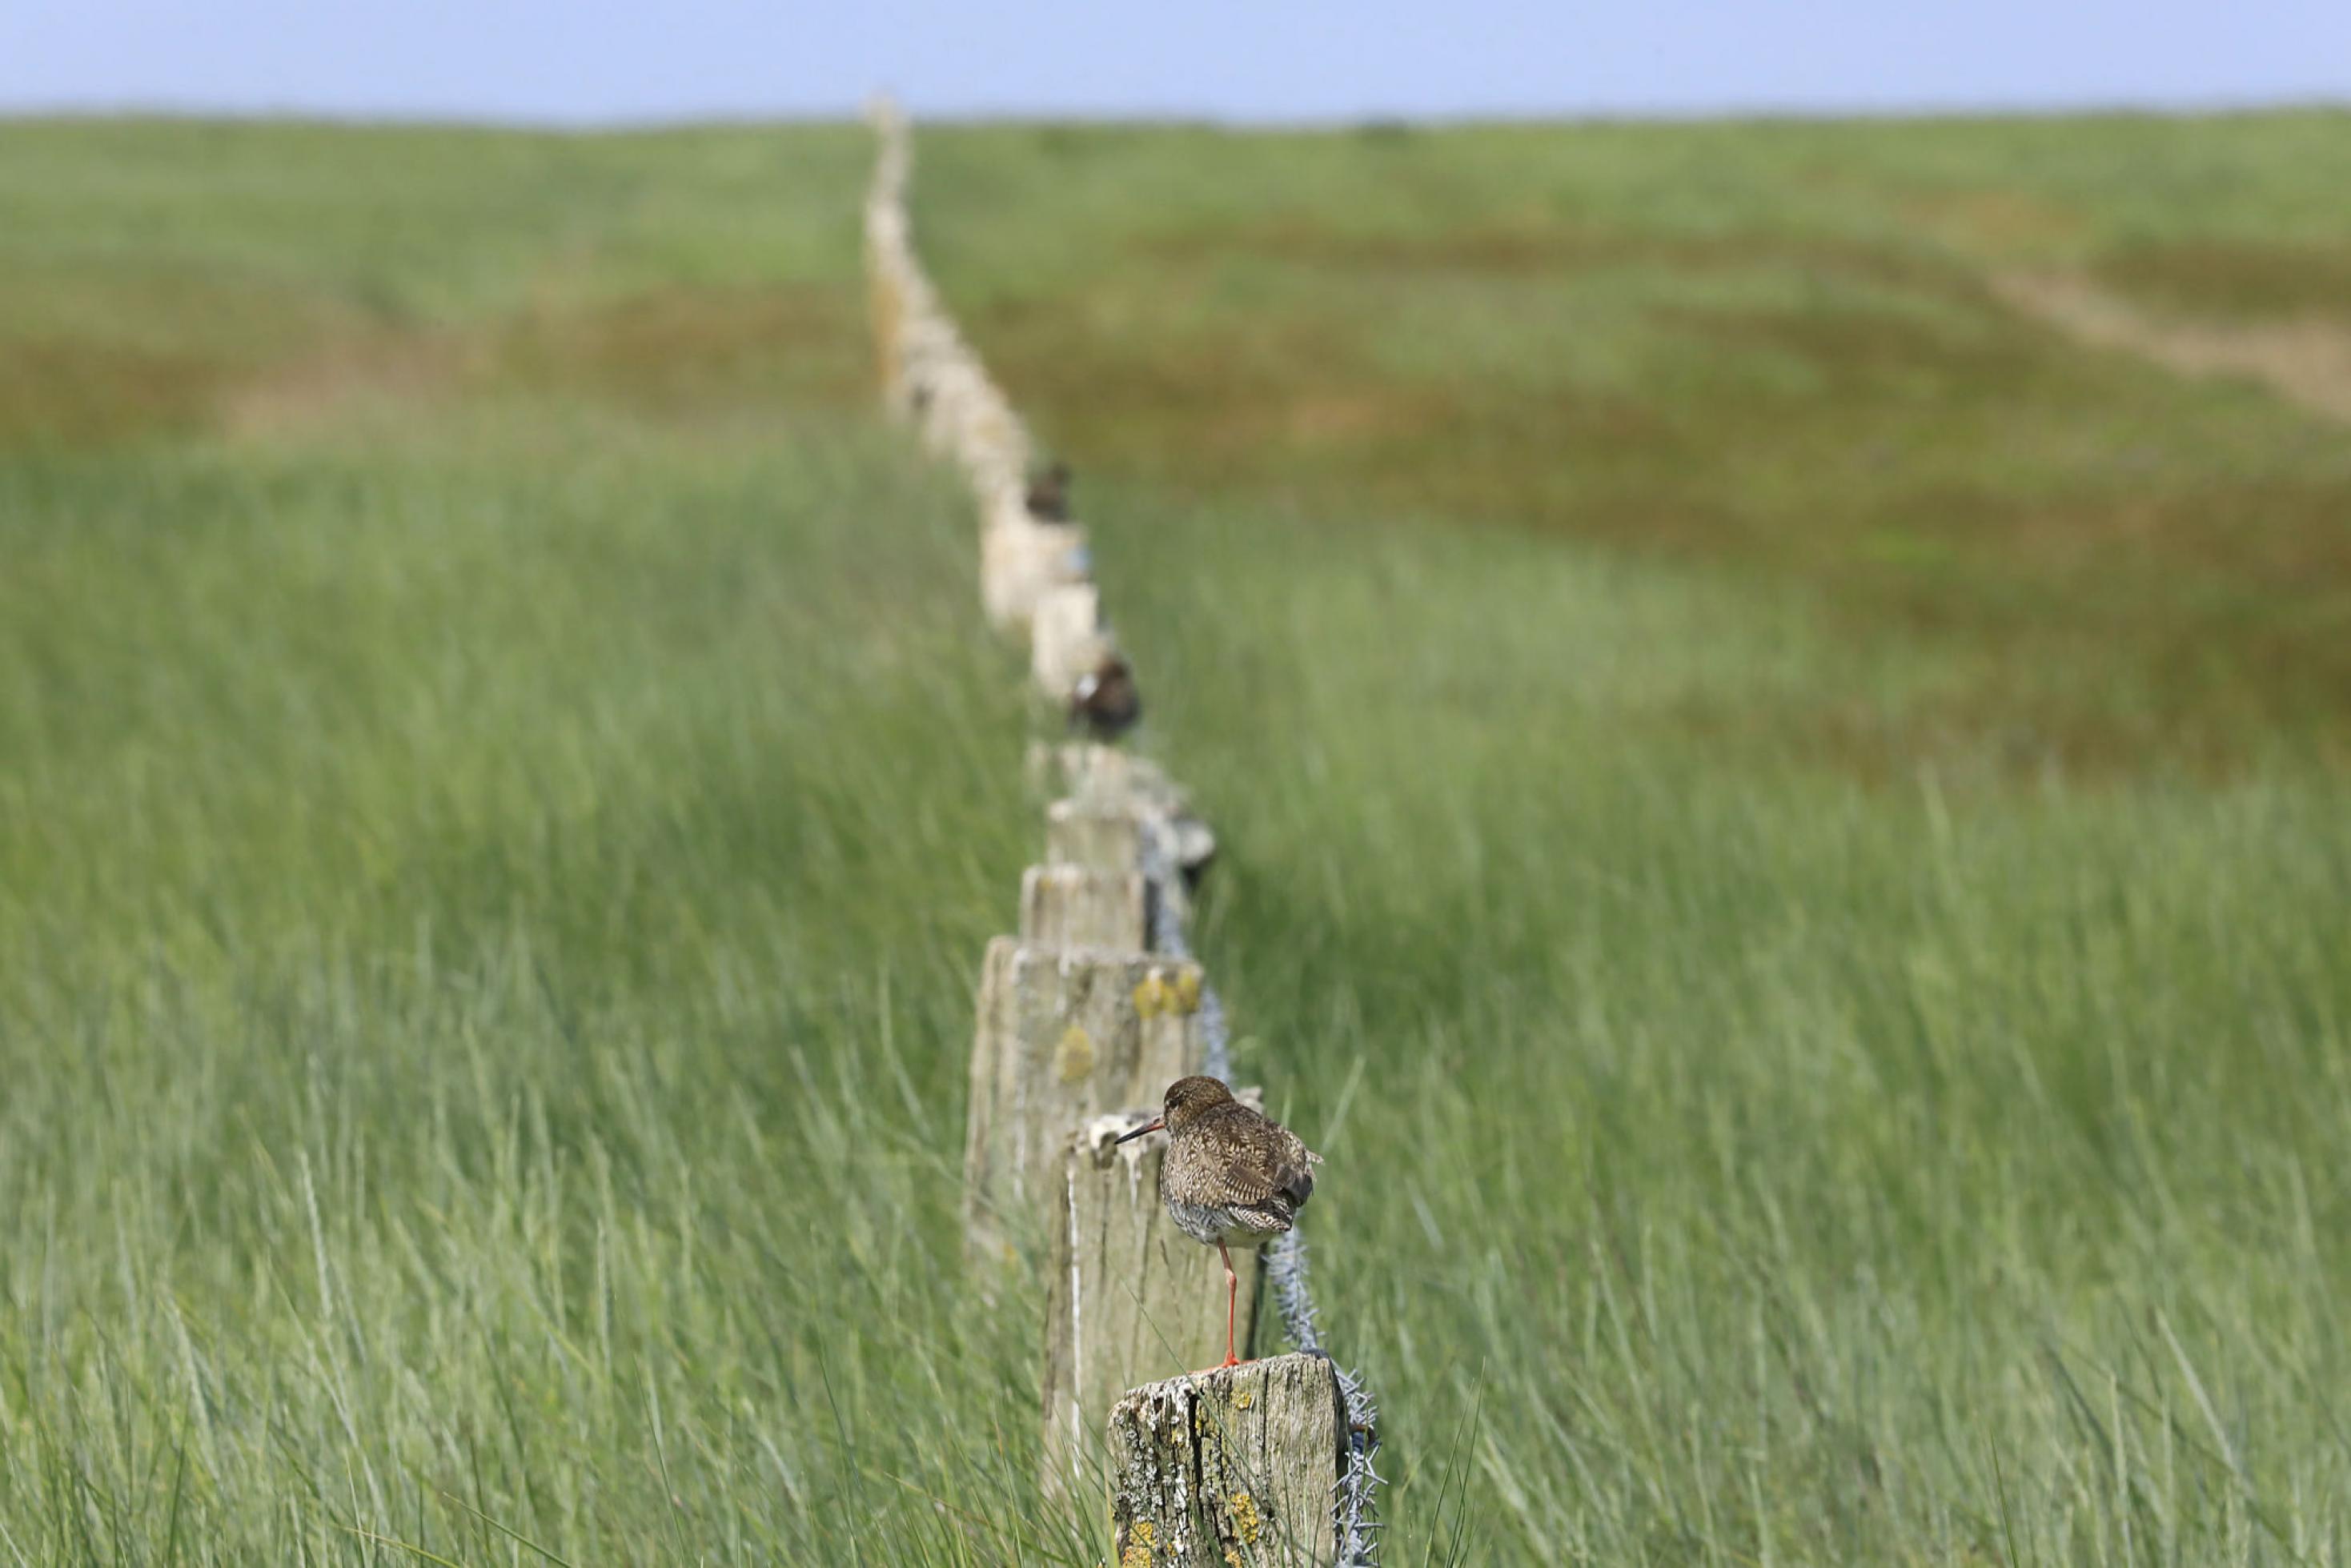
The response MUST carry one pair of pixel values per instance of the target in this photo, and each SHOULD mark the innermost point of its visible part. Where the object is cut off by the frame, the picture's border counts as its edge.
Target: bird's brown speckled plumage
(1230, 1175)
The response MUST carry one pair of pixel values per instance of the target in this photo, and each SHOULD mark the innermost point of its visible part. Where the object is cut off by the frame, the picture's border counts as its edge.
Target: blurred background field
(1783, 819)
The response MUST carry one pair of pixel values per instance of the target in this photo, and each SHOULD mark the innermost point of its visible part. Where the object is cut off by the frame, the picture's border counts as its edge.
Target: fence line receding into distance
(1085, 1015)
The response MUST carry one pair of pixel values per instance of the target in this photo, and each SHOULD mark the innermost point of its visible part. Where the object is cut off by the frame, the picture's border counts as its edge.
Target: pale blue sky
(581, 61)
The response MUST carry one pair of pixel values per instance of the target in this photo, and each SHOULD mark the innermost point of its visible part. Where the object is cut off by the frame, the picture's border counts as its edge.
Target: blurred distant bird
(1106, 703)
(1049, 494)
(1195, 848)
(1229, 1175)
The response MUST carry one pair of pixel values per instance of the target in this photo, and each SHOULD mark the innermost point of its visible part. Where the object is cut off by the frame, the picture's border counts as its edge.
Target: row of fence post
(1085, 1015)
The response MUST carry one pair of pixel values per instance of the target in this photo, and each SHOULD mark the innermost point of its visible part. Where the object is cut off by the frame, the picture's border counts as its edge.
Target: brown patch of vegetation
(2001, 222)
(2276, 281)
(683, 351)
(1246, 403)
(66, 393)
(667, 353)
(2006, 728)
(1857, 356)
(1524, 247)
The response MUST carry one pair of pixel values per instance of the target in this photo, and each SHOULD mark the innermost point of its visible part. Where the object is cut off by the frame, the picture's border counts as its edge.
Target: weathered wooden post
(996, 450)
(1084, 906)
(1107, 779)
(956, 382)
(1106, 833)
(1021, 561)
(1231, 1469)
(1065, 1035)
(1129, 1298)
(1065, 638)
(1087, 769)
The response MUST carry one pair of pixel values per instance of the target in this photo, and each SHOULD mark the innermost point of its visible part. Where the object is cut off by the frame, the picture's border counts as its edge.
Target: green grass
(1782, 830)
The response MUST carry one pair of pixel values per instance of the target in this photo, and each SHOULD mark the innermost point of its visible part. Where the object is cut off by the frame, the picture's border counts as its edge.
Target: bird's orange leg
(1232, 1298)
(1232, 1301)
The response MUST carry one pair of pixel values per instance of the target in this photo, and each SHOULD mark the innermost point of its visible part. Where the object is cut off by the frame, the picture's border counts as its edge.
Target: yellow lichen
(1135, 1556)
(1241, 1398)
(1151, 997)
(1232, 1558)
(1245, 1520)
(1073, 1059)
(1144, 1530)
(1187, 991)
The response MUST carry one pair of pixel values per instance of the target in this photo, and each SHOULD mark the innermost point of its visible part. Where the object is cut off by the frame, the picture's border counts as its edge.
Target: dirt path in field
(2305, 363)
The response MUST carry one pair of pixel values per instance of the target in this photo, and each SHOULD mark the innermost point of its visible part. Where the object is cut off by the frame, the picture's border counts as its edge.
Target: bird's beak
(1153, 1127)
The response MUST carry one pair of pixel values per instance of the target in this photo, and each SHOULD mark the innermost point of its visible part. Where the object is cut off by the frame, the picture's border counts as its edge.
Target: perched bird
(1106, 702)
(1195, 849)
(1049, 494)
(1230, 1175)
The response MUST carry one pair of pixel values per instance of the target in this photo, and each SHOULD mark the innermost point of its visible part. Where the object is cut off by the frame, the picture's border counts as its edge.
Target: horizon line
(401, 117)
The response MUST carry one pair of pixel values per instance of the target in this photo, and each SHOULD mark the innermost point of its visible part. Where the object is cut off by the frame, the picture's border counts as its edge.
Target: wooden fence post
(1021, 561)
(1065, 1035)
(1065, 638)
(1129, 1298)
(1230, 1469)
(1089, 770)
(1081, 906)
(1105, 834)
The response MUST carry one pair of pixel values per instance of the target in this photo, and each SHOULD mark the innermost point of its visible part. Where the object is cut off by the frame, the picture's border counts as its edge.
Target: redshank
(1107, 702)
(1230, 1175)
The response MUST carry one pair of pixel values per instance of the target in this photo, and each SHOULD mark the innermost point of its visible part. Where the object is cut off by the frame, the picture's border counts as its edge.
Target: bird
(1230, 1175)
(1049, 494)
(1195, 849)
(1106, 702)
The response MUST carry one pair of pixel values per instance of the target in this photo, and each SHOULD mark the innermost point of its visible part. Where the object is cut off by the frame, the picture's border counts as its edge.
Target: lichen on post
(1231, 1469)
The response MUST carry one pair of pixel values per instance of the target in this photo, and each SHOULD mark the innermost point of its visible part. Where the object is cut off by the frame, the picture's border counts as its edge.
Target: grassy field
(1784, 829)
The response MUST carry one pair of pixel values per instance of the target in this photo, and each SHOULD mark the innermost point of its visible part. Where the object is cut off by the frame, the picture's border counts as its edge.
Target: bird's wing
(1280, 1166)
